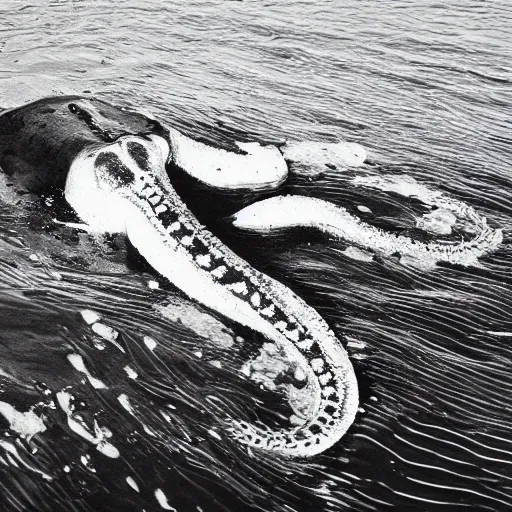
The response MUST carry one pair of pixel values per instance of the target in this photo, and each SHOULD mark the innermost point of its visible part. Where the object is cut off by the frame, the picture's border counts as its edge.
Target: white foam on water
(149, 431)
(108, 450)
(403, 185)
(86, 461)
(78, 426)
(162, 500)
(150, 343)
(78, 363)
(26, 424)
(214, 434)
(408, 186)
(355, 343)
(165, 416)
(98, 344)
(14, 457)
(56, 275)
(132, 483)
(357, 254)
(132, 374)
(438, 222)
(5, 374)
(320, 154)
(198, 321)
(125, 402)
(90, 317)
(106, 332)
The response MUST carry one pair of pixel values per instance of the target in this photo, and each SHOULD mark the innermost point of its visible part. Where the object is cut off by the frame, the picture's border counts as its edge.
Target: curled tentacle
(124, 187)
(300, 211)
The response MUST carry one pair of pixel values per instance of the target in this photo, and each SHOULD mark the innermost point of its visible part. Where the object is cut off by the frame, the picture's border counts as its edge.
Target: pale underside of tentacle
(255, 167)
(300, 211)
(123, 187)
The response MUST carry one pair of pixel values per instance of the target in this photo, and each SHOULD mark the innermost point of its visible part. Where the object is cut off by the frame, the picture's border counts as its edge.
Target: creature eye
(88, 119)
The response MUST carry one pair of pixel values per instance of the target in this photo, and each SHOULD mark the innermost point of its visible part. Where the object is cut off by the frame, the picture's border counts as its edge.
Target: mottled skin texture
(118, 155)
(39, 141)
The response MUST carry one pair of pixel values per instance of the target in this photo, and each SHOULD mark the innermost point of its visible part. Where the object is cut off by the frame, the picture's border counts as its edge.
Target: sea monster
(116, 168)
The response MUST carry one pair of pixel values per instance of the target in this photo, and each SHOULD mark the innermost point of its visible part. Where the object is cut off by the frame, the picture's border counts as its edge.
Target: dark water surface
(427, 88)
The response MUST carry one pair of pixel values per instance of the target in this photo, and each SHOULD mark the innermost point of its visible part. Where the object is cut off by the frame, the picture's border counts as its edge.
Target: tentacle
(131, 173)
(289, 211)
(255, 167)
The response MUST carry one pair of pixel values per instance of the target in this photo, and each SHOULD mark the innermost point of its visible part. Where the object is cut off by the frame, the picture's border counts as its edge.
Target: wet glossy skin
(39, 141)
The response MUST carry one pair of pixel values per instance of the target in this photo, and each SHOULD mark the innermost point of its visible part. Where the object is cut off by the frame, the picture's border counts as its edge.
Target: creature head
(130, 162)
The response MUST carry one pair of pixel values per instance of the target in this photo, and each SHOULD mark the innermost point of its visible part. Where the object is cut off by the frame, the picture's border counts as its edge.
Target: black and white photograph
(255, 255)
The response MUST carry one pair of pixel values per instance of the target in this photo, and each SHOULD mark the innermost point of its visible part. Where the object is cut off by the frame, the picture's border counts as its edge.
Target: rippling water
(427, 88)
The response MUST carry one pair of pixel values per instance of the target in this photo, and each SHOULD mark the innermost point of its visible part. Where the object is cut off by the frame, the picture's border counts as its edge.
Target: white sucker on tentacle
(294, 211)
(123, 187)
